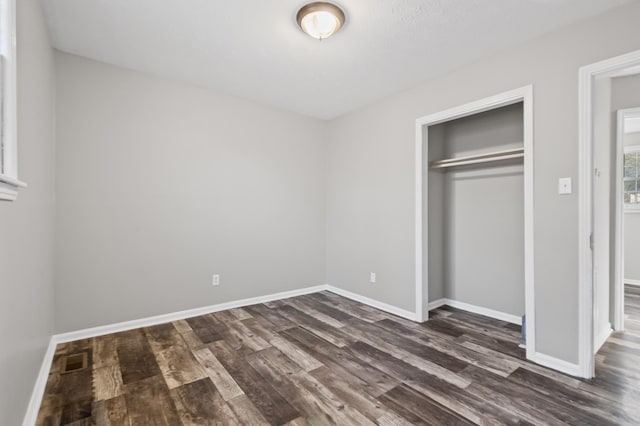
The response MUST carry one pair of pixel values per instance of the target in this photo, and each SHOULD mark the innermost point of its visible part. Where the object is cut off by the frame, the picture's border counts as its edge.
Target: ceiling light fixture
(320, 19)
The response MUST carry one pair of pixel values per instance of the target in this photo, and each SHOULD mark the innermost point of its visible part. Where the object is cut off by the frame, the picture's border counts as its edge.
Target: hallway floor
(618, 361)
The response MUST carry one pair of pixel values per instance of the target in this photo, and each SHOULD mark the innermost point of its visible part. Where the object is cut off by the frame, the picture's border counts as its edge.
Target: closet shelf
(477, 159)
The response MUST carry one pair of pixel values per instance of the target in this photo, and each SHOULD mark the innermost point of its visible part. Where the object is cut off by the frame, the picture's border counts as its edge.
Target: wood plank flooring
(321, 359)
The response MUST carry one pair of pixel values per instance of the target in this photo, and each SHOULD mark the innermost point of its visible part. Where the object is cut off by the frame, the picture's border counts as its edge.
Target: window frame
(9, 182)
(630, 208)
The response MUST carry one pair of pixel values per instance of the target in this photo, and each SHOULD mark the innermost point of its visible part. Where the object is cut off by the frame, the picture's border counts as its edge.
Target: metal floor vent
(75, 362)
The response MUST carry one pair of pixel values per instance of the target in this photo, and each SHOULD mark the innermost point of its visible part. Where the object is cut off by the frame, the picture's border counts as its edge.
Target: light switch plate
(564, 186)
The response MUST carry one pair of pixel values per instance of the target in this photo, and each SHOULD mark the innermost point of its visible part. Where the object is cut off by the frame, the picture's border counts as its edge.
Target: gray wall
(160, 185)
(625, 93)
(479, 213)
(26, 225)
(370, 163)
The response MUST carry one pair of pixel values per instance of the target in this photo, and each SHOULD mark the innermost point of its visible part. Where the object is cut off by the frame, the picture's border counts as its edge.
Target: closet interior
(475, 221)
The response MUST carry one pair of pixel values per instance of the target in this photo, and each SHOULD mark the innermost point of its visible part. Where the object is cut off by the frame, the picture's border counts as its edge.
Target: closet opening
(474, 210)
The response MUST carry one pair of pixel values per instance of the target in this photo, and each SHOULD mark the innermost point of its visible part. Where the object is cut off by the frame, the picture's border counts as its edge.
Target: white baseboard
(556, 364)
(436, 304)
(174, 316)
(513, 319)
(41, 383)
(373, 303)
(602, 337)
(631, 282)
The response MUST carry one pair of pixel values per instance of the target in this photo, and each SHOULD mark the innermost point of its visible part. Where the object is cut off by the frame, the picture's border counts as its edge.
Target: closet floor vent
(74, 362)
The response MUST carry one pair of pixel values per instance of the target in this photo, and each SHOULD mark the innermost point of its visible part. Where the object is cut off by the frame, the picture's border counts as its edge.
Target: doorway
(627, 232)
(601, 290)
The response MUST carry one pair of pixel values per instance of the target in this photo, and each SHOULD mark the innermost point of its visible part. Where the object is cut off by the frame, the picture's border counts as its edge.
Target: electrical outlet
(216, 279)
(372, 277)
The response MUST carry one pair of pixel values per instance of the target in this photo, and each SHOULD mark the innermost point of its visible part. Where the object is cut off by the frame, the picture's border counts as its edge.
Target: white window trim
(9, 182)
(631, 208)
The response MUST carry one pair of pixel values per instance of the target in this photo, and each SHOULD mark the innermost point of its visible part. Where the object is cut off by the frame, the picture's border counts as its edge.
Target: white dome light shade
(319, 24)
(320, 20)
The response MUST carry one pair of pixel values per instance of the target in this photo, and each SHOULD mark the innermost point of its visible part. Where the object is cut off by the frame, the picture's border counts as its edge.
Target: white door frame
(524, 95)
(587, 74)
(618, 303)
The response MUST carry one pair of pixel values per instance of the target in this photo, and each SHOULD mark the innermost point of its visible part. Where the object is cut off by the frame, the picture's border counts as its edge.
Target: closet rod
(477, 159)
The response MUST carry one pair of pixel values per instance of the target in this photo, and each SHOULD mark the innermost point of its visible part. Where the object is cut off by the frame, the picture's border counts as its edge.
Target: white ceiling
(253, 48)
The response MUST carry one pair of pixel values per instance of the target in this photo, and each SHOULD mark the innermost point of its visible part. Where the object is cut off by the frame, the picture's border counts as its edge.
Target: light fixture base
(320, 19)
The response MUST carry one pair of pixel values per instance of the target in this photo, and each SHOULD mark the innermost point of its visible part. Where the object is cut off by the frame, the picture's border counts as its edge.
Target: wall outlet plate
(564, 186)
(215, 280)
(372, 277)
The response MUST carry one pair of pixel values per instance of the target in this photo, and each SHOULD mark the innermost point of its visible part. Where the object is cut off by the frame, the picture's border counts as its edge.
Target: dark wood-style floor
(321, 359)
